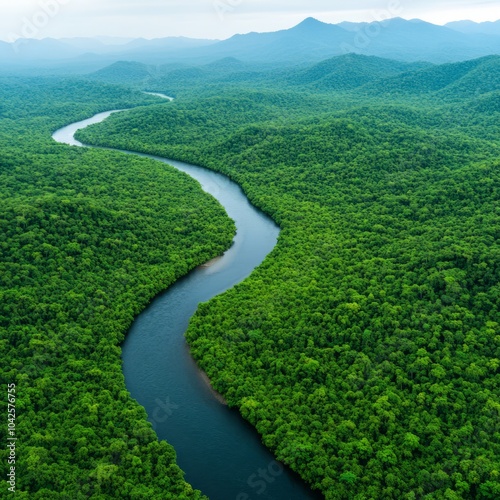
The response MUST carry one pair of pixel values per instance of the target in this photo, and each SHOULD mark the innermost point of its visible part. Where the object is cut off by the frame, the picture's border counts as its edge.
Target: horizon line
(129, 39)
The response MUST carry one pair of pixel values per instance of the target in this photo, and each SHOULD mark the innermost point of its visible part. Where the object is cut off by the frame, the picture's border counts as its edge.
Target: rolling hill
(348, 72)
(463, 79)
(124, 72)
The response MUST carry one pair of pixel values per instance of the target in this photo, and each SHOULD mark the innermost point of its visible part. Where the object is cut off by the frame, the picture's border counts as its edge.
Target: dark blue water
(221, 454)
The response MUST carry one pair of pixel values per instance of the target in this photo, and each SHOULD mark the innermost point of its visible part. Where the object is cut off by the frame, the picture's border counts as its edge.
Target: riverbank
(217, 395)
(218, 450)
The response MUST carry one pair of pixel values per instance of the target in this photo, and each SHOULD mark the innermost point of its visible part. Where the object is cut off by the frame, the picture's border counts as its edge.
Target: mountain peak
(310, 20)
(309, 23)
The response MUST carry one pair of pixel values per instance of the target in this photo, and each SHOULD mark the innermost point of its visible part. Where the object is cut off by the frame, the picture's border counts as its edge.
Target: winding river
(220, 452)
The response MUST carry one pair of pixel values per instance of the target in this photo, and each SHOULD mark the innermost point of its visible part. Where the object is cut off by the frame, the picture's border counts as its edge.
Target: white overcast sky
(214, 18)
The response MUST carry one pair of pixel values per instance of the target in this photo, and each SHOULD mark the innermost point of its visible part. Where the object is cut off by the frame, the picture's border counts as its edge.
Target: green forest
(366, 348)
(87, 239)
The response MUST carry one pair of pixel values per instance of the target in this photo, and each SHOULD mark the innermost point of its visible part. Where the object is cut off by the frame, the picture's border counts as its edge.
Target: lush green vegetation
(87, 239)
(366, 348)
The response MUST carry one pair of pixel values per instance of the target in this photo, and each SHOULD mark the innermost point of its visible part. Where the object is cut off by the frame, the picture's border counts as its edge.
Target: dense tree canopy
(365, 349)
(87, 239)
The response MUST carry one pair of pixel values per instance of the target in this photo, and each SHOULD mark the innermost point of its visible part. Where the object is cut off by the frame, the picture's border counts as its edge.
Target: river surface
(157, 94)
(221, 454)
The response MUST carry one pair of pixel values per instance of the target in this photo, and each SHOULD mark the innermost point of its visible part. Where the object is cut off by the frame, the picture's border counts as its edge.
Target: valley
(352, 325)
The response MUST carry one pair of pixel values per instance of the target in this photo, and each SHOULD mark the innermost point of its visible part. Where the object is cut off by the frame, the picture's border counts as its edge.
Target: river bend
(220, 452)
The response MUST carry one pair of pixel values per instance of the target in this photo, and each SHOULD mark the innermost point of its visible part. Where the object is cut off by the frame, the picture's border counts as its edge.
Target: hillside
(125, 73)
(462, 79)
(348, 72)
(365, 349)
(373, 76)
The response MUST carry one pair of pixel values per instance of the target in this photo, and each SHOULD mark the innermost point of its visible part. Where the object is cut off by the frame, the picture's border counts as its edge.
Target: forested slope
(376, 77)
(365, 349)
(87, 239)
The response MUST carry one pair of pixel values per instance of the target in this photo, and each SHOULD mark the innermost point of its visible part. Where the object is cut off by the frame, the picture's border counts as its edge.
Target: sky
(214, 19)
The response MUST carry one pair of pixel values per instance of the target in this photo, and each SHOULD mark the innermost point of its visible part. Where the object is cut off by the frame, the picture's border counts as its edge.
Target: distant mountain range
(470, 27)
(311, 40)
(369, 75)
(87, 53)
(400, 39)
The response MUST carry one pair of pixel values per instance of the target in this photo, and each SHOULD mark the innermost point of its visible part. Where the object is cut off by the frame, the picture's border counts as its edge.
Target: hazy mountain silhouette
(396, 39)
(470, 27)
(309, 41)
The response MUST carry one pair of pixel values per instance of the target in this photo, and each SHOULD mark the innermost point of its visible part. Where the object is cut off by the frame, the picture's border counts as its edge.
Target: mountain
(348, 72)
(418, 40)
(227, 64)
(397, 38)
(349, 26)
(483, 79)
(30, 49)
(98, 45)
(88, 45)
(470, 27)
(168, 43)
(113, 40)
(174, 77)
(160, 50)
(124, 73)
(94, 50)
(309, 41)
(369, 74)
(453, 80)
